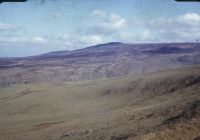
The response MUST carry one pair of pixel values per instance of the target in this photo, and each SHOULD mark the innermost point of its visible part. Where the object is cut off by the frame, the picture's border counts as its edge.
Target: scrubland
(158, 106)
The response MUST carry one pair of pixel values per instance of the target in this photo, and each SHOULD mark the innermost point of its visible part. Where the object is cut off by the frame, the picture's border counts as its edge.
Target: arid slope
(144, 108)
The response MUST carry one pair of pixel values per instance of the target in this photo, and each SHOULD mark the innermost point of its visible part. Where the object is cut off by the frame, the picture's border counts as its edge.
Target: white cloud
(115, 21)
(38, 40)
(186, 20)
(4, 26)
(145, 36)
(71, 42)
(105, 23)
(181, 28)
(99, 13)
(91, 40)
(108, 27)
(16, 40)
(140, 36)
(190, 19)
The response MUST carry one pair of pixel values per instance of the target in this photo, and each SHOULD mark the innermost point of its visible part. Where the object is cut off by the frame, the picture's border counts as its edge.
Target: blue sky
(40, 26)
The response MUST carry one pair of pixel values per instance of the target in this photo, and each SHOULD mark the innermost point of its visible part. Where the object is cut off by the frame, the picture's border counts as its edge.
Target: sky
(40, 26)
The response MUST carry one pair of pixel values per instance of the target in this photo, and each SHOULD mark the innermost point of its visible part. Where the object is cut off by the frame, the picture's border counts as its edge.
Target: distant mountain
(53, 54)
(105, 60)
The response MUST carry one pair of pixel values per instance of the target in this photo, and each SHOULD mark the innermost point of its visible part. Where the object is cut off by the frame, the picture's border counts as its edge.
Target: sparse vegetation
(183, 131)
(119, 108)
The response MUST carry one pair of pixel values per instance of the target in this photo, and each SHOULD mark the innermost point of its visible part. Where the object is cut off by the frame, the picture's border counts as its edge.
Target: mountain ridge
(100, 61)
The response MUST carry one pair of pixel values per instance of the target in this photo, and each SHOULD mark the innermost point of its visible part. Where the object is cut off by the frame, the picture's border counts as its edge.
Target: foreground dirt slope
(126, 108)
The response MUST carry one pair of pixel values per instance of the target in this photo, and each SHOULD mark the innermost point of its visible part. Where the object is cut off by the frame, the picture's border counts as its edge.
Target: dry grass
(117, 108)
(182, 131)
